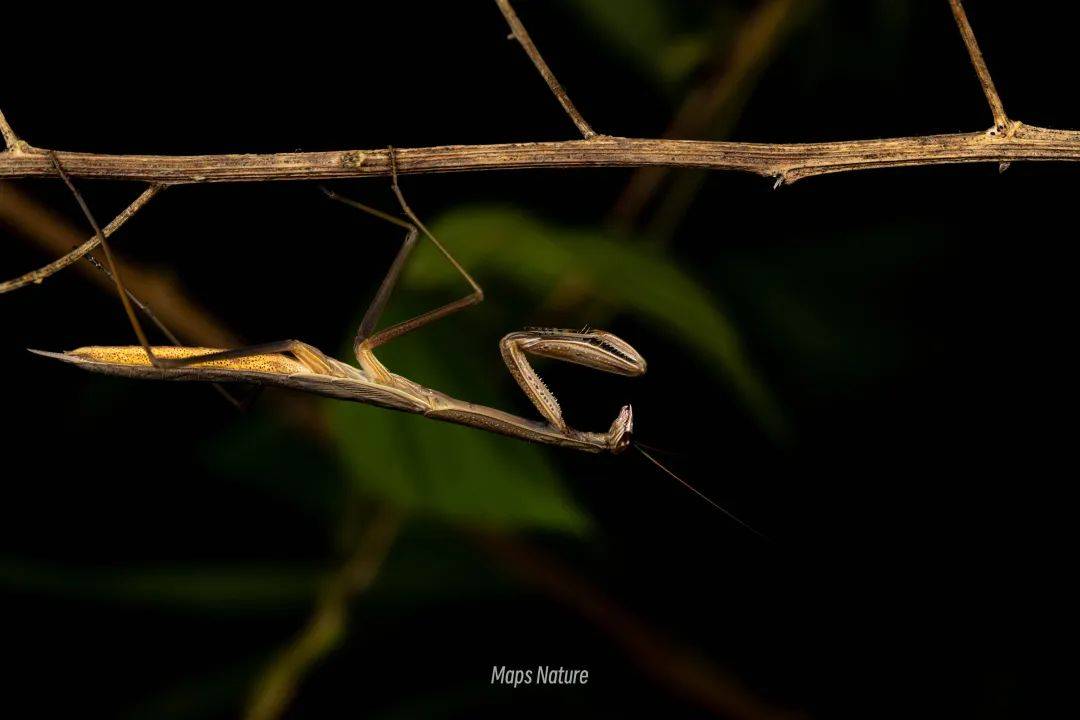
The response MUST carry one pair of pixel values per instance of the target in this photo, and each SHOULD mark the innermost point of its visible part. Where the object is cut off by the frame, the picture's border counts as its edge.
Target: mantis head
(619, 436)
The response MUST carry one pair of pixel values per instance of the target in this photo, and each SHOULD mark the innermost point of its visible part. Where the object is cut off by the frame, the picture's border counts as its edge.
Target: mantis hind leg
(112, 271)
(366, 339)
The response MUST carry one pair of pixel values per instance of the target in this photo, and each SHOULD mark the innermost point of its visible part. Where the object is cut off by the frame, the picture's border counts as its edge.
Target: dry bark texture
(788, 162)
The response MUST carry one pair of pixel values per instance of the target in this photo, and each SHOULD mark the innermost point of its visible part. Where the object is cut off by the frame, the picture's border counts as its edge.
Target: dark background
(911, 328)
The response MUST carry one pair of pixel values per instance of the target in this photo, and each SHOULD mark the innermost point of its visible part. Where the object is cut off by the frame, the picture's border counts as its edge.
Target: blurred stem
(277, 686)
(711, 109)
(160, 291)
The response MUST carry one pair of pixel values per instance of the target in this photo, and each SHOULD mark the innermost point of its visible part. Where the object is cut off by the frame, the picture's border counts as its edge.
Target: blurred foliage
(655, 37)
(228, 590)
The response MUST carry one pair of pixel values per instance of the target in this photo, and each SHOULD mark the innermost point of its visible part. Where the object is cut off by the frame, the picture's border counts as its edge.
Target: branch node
(1008, 132)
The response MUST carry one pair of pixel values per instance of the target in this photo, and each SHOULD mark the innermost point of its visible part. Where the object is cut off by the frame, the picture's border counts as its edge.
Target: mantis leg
(366, 337)
(365, 340)
(593, 348)
(127, 298)
(125, 295)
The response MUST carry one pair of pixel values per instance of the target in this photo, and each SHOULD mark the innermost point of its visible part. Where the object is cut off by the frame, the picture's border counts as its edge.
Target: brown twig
(522, 36)
(790, 161)
(1001, 120)
(73, 256)
(37, 222)
(11, 140)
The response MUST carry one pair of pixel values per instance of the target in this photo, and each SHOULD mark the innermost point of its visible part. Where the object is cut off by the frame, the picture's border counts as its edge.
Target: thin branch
(277, 686)
(37, 276)
(522, 36)
(1001, 120)
(789, 161)
(40, 224)
(11, 140)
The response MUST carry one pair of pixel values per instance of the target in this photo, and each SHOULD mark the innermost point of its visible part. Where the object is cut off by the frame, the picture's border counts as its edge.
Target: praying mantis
(298, 366)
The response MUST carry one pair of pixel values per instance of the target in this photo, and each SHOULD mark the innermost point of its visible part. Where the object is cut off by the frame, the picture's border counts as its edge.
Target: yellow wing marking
(134, 355)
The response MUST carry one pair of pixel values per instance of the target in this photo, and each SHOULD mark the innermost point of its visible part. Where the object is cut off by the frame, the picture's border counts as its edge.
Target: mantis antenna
(703, 496)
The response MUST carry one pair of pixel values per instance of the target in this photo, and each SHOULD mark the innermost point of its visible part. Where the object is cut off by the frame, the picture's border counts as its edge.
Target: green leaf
(511, 246)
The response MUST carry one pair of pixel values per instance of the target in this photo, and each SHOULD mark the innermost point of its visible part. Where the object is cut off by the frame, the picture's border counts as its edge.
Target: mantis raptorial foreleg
(592, 348)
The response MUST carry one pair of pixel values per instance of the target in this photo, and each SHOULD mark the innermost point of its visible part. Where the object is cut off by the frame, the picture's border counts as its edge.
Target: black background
(919, 515)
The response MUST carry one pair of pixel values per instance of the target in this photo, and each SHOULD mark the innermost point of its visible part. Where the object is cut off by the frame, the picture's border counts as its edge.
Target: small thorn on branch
(522, 36)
